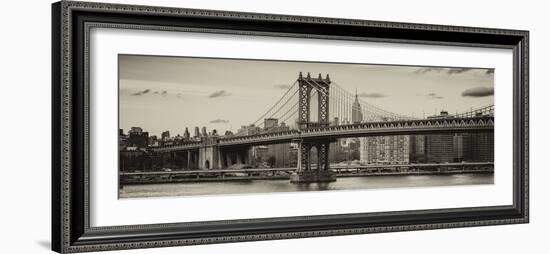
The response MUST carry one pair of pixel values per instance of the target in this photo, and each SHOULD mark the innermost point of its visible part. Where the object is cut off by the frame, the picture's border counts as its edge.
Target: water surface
(270, 186)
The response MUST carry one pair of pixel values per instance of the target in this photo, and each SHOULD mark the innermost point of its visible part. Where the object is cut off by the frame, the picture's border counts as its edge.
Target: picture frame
(71, 197)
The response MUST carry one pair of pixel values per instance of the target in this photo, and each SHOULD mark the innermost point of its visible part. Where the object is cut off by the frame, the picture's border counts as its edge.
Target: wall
(25, 84)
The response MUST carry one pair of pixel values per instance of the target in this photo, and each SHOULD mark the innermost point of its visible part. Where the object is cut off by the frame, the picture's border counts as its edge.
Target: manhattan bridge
(319, 112)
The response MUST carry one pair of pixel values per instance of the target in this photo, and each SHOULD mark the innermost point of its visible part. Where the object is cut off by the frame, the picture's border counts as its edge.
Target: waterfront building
(281, 154)
(417, 149)
(122, 139)
(440, 148)
(137, 137)
(385, 150)
(460, 147)
(261, 155)
(481, 147)
(474, 147)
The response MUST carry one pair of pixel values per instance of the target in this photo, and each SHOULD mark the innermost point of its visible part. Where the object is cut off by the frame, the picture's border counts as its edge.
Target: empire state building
(356, 114)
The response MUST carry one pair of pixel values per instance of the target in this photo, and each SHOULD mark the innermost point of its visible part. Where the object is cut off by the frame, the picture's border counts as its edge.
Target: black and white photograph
(217, 126)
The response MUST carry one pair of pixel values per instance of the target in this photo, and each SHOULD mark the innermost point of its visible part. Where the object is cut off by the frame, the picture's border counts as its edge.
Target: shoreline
(287, 177)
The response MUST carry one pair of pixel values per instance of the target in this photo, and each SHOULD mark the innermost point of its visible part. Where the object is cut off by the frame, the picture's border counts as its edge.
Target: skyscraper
(356, 114)
(186, 134)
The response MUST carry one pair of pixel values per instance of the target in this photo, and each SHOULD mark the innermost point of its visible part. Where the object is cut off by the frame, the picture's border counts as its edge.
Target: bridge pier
(305, 173)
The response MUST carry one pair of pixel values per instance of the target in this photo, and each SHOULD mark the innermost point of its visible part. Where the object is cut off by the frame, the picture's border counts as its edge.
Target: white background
(107, 210)
(25, 101)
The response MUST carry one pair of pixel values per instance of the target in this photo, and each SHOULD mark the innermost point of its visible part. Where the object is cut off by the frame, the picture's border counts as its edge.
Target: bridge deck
(405, 127)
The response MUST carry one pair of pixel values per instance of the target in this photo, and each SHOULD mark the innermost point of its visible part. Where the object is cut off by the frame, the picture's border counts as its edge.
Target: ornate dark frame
(71, 22)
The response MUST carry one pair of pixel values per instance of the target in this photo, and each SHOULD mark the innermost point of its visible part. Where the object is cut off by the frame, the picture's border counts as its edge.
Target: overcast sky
(171, 93)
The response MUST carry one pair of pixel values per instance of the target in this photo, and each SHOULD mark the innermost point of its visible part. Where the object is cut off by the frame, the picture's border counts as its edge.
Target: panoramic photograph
(213, 126)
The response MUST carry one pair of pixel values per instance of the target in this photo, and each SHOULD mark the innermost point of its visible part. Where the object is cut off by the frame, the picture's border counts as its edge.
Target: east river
(270, 186)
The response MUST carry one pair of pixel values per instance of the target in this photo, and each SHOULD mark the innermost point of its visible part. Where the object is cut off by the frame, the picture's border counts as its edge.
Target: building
(132, 159)
(417, 149)
(474, 147)
(197, 133)
(460, 146)
(270, 123)
(272, 126)
(356, 114)
(137, 137)
(481, 147)
(153, 141)
(165, 135)
(186, 134)
(442, 114)
(440, 148)
(336, 121)
(261, 155)
(122, 139)
(280, 153)
(385, 150)
(248, 130)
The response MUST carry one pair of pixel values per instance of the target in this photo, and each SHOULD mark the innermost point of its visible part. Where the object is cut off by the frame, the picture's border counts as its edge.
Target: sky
(159, 93)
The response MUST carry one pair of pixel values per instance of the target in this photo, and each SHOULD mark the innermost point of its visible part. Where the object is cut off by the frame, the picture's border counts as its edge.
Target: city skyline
(166, 93)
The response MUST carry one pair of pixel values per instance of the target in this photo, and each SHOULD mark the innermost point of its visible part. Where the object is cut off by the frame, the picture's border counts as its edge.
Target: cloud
(282, 86)
(219, 121)
(220, 93)
(141, 92)
(427, 69)
(479, 91)
(371, 95)
(445, 70)
(148, 91)
(434, 96)
(458, 70)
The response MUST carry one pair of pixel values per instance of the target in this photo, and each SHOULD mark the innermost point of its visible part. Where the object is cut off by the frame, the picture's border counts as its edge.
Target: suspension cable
(280, 99)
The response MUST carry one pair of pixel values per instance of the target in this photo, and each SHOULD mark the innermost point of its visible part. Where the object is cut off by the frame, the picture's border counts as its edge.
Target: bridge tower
(305, 173)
